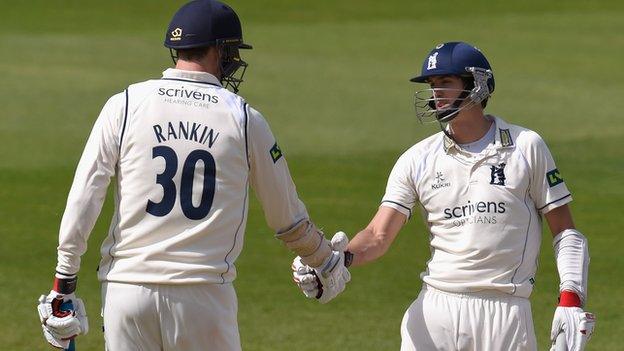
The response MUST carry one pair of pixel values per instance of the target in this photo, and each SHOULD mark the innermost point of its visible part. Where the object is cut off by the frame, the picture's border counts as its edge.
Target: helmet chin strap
(449, 113)
(445, 117)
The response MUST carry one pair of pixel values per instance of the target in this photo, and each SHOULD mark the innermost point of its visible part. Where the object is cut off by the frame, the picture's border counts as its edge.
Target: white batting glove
(306, 279)
(54, 341)
(330, 278)
(61, 325)
(575, 324)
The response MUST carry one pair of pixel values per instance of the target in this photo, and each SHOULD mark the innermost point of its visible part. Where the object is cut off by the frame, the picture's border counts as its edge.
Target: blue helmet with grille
(454, 59)
(204, 23)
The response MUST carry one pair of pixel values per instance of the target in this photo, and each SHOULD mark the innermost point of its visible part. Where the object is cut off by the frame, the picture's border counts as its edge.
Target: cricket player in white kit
(482, 185)
(182, 151)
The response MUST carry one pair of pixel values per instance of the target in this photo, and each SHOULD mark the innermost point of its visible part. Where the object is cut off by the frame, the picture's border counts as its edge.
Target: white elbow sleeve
(572, 256)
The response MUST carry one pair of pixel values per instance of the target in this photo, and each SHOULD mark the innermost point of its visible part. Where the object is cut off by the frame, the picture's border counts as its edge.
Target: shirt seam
(236, 233)
(526, 239)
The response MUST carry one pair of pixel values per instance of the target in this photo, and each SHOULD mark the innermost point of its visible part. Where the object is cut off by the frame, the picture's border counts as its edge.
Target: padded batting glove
(330, 278)
(570, 320)
(306, 279)
(62, 314)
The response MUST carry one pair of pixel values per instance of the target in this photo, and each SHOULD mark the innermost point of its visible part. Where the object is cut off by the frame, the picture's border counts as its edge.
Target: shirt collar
(502, 137)
(194, 76)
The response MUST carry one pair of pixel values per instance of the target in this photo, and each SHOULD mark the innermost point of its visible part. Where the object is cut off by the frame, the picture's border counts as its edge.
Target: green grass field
(332, 79)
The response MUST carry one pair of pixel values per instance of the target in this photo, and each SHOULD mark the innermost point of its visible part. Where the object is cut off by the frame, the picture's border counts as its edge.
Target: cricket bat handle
(69, 306)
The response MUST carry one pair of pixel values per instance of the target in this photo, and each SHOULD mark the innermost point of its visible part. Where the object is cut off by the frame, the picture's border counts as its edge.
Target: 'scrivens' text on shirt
(189, 94)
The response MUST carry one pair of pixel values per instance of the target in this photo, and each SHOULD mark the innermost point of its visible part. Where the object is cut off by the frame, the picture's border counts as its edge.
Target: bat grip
(69, 306)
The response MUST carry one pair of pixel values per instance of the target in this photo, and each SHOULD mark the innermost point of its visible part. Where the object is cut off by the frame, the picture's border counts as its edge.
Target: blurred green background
(331, 77)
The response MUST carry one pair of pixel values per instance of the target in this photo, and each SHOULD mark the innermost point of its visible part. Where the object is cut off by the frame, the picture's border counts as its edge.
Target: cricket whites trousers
(165, 317)
(485, 320)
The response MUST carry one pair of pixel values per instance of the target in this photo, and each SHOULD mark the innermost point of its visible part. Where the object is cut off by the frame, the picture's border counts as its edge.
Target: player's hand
(330, 278)
(577, 326)
(305, 277)
(59, 322)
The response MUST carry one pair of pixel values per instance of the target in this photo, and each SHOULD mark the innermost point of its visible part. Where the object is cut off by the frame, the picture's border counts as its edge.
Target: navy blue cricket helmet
(454, 59)
(204, 23)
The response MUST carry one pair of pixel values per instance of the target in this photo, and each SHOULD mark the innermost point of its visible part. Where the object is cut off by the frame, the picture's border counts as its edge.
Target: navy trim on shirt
(123, 129)
(552, 202)
(246, 136)
(396, 203)
(192, 81)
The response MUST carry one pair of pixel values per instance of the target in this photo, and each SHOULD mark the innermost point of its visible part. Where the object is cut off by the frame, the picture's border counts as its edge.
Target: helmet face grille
(426, 102)
(233, 68)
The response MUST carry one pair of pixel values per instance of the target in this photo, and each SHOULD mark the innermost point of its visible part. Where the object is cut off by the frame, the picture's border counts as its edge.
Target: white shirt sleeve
(401, 191)
(547, 188)
(271, 178)
(88, 191)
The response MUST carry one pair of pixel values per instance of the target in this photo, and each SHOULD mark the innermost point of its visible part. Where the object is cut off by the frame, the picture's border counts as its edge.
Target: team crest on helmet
(433, 61)
(176, 34)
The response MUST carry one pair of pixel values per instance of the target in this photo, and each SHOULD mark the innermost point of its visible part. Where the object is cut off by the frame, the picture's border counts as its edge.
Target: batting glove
(62, 315)
(306, 279)
(570, 319)
(330, 278)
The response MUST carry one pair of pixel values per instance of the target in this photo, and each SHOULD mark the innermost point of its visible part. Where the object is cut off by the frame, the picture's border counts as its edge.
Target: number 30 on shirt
(165, 179)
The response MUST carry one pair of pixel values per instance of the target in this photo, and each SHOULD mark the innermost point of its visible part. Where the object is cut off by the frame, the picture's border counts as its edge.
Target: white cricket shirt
(483, 210)
(183, 151)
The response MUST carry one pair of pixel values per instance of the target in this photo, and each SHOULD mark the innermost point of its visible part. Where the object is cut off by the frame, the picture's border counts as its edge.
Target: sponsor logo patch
(276, 153)
(475, 213)
(440, 181)
(176, 34)
(554, 177)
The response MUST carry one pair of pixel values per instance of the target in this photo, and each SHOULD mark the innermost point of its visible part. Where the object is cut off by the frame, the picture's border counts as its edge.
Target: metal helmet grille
(232, 67)
(426, 100)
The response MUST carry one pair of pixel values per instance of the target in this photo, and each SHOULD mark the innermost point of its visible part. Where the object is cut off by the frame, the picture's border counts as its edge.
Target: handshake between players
(331, 277)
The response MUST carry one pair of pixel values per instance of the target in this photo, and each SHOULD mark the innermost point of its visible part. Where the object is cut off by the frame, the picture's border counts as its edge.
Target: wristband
(569, 299)
(64, 285)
